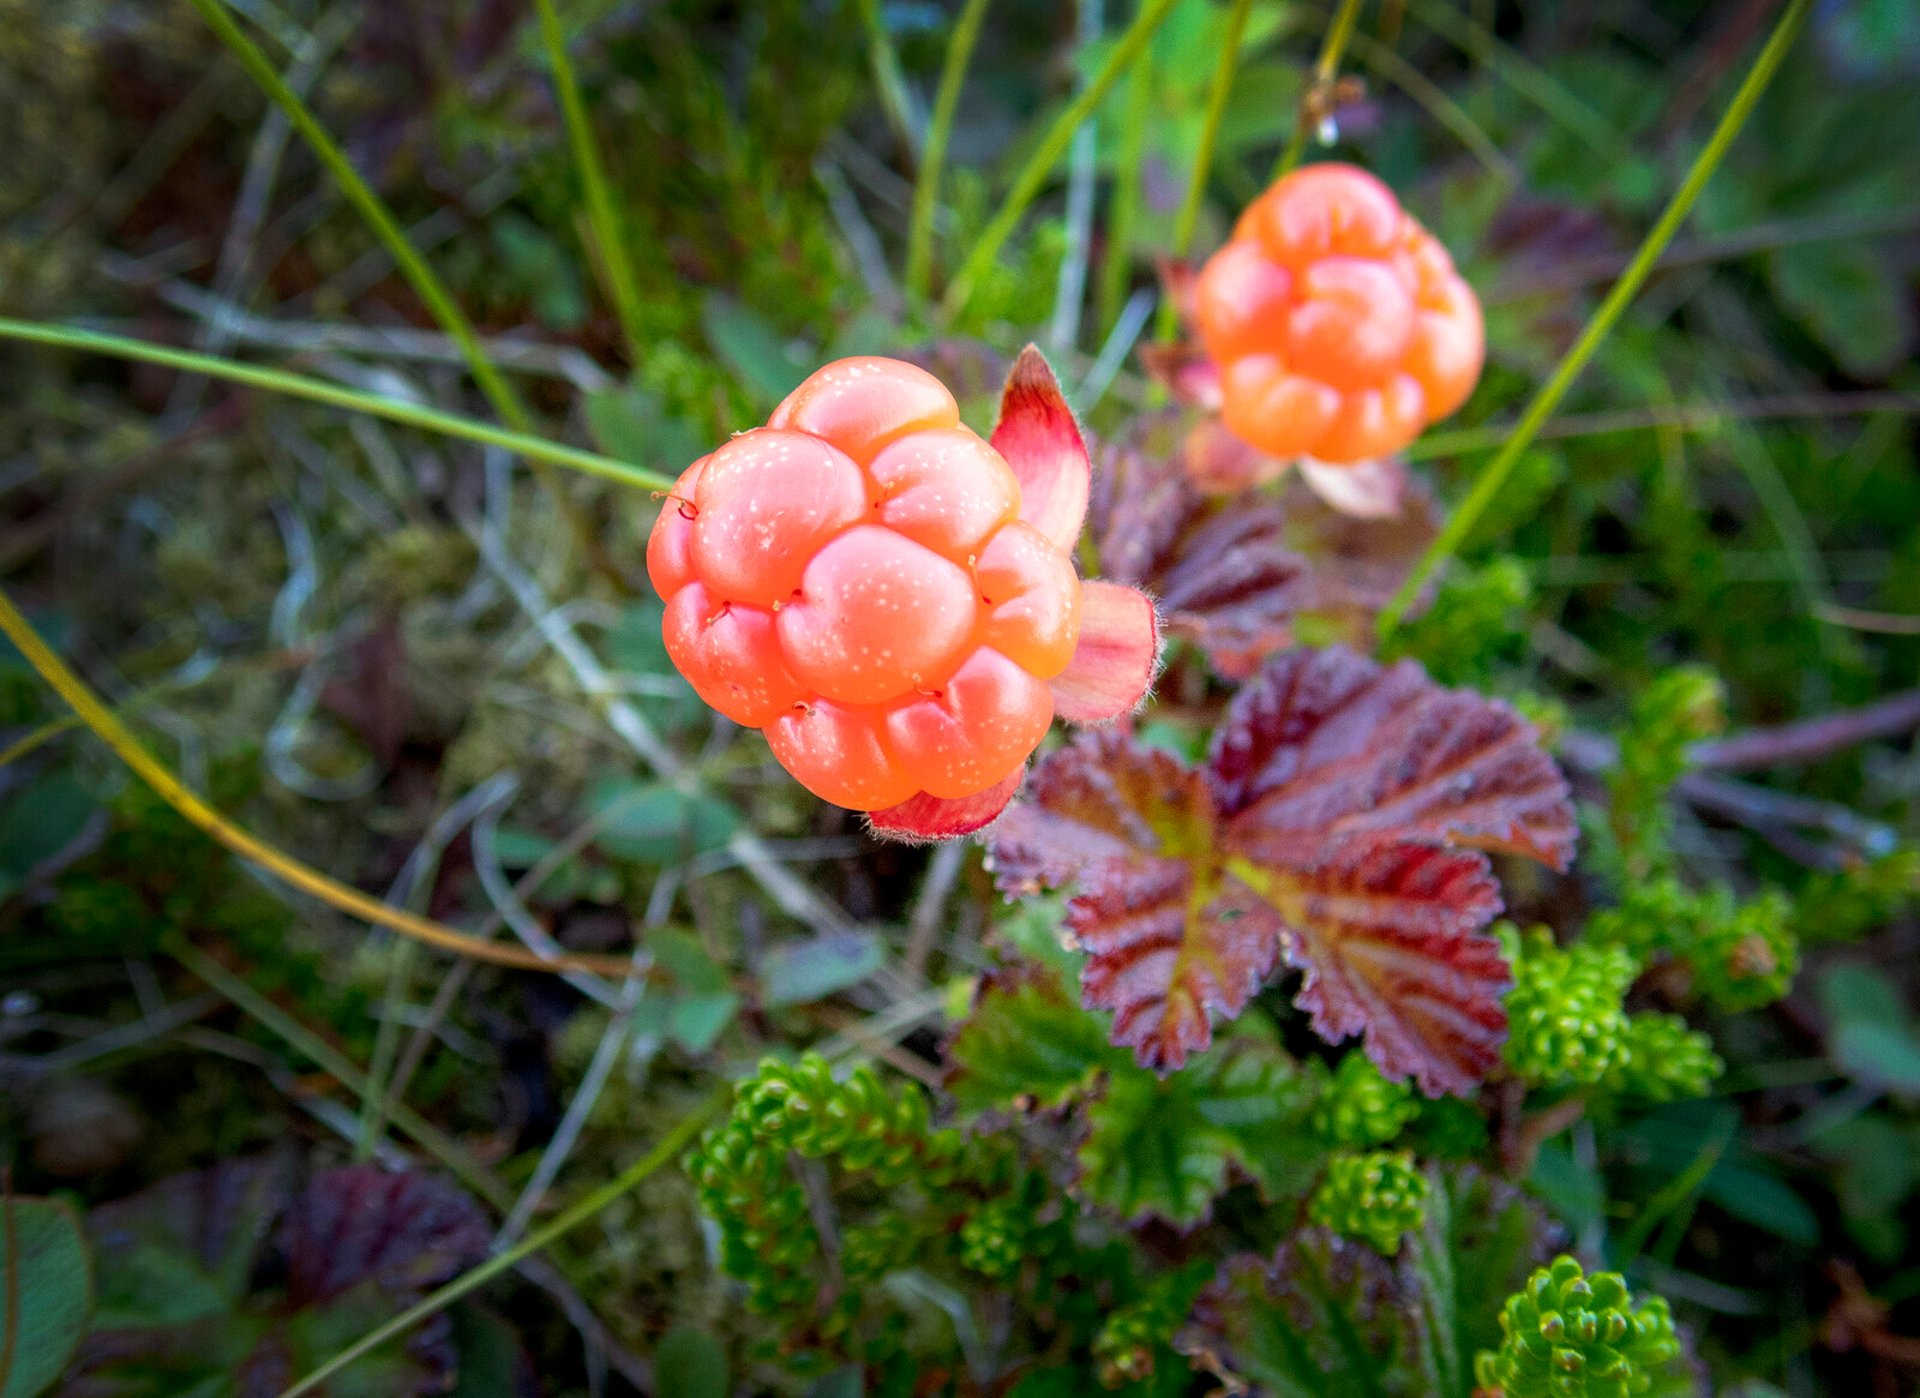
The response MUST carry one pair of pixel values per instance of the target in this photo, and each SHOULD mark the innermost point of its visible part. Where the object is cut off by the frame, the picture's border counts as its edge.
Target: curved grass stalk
(108, 727)
(1188, 219)
(1033, 175)
(933, 156)
(601, 210)
(1494, 474)
(337, 1066)
(1123, 207)
(1435, 102)
(1325, 69)
(424, 280)
(664, 1151)
(525, 445)
(1523, 75)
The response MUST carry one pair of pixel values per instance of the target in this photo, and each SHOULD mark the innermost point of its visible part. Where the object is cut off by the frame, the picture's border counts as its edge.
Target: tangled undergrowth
(1483, 967)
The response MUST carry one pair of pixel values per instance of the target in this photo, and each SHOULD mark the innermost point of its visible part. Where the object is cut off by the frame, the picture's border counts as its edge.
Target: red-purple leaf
(1388, 937)
(1357, 564)
(1328, 827)
(1040, 440)
(1102, 804)
(1233, 576)
(406, 1232)
(1325, 745)
(1223, 574)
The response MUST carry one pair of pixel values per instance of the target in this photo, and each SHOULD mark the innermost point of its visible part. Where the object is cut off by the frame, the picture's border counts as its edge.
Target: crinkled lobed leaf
(1165, 1147)
(1153, 1146)
(1340, 823)
(1328, 1315)
(1234, 575)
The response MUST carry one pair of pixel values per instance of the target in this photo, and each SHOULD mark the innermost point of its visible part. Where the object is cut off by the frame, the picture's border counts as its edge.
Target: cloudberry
(893, 599)
(1336, 324)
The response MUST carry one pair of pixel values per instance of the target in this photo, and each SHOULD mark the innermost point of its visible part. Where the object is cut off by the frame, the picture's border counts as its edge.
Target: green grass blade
(1325, 70)
(425, 282)
(933, 158)
(1524, 76)
(337, 1066)
(522, 444)
(602, 213)
(1494, 474)
(1116, 265)
(1033, 175)
(1188, 219)
(669, 1146)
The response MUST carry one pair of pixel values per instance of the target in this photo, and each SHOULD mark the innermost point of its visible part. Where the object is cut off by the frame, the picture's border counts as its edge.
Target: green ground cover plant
(1480, 967)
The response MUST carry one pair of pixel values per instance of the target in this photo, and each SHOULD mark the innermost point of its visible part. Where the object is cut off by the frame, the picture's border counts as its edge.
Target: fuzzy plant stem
(1494, 474)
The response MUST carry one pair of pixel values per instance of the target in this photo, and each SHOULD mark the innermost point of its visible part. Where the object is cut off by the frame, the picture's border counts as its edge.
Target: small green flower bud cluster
(856, 1123)
(996, 1236)
(1849, 904)
(1565, 1024)
(1666, 1061)
(767, 1237)
(1743, 954)
(1568, 1335)
(1376, 1197)
(1678, 709)
(1361, 1107)
(1132, 1340)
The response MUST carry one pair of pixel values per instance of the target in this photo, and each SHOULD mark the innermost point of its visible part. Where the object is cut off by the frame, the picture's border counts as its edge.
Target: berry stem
(1494, 474)
(1325, 70)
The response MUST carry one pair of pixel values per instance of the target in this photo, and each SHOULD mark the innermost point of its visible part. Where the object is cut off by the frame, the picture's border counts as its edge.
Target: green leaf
(1481, 1240)
(492, 1362)
(1027, 1043)
(800, 971)
(39, 821)
(46, 1289)
(765, 363)
(1161, 1147)
(653, 823)
(185, 1249)
(1849, 299)
(1763, 1200)
(1324, 1307)
(630, 423)
(689, 1363)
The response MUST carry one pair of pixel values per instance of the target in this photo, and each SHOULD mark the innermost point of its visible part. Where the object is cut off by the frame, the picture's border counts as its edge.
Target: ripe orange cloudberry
(893, 599)
(1332, 330)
